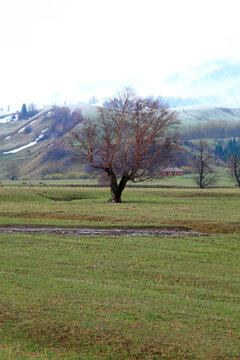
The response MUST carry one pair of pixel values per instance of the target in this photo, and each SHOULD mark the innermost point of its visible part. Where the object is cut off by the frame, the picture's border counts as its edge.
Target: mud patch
(96, 231)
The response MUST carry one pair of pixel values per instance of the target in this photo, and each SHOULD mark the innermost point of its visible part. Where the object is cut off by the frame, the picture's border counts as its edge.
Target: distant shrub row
(68, 175)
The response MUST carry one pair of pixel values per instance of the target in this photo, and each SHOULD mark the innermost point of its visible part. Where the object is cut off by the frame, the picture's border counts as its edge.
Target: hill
(214, 82)
(35, 145)
(193, 114)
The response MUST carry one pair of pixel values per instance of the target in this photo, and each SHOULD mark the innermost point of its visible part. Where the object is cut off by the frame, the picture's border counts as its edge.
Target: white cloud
(49, 46)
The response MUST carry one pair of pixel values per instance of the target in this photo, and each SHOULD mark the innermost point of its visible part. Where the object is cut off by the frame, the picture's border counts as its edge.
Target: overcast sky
(70, 50)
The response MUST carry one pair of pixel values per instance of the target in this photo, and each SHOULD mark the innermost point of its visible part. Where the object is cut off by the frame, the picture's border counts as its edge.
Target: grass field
(186, 181)
(106, 297)
(209, 210)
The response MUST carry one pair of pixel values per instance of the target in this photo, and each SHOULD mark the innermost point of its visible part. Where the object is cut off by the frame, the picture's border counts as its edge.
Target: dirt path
(94, 231)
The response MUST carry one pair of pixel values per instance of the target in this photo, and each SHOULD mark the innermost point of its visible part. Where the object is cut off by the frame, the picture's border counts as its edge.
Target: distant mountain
(215, 82)
(173, 102)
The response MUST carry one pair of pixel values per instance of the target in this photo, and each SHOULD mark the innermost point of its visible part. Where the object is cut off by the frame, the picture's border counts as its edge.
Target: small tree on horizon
(203, 166)
(133, 139)
(24, 111)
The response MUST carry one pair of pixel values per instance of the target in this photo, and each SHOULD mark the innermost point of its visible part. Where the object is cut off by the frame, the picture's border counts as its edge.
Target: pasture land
(208, 210)
(224, 180)
(106, 297)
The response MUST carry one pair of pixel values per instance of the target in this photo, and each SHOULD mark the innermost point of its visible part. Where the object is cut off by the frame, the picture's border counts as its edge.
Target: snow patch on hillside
(21, 148)
(9, 118)
(14, 151)
(25, 127)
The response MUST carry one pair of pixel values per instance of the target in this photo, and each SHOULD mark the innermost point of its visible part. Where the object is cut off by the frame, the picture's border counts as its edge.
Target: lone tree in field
(203, 166)
(133, 139)
(234, 166)
(12, 172)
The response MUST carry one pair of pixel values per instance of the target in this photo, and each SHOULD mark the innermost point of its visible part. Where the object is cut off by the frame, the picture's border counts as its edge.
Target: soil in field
(95, 231)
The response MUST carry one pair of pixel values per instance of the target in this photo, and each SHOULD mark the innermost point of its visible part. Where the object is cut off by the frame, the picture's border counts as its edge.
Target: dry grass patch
(209, 227)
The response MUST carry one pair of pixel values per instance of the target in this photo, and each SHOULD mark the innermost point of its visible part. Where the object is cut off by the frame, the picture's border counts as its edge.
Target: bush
(68, 175)
(55, 176)
(85, 175)
(71, 175)
(76, 175)
(25, 178)
(27, 130)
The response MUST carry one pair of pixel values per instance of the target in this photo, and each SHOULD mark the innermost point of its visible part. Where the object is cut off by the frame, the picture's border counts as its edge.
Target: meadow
(109, 297)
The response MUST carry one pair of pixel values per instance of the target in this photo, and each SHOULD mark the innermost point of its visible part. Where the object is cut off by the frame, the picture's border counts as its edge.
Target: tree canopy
(132, 139)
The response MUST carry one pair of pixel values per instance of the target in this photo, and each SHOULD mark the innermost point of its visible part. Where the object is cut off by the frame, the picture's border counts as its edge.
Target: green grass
(209, 210)
(84, 298)
(186, 181)
(119, 298)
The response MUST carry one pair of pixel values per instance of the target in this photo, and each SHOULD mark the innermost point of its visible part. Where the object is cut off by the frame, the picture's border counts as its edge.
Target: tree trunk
(113, 184)
(236, 172)
(117, 189)
(121, 186)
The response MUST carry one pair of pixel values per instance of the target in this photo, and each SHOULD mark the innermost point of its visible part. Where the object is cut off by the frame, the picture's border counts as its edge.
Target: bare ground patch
(96, 231)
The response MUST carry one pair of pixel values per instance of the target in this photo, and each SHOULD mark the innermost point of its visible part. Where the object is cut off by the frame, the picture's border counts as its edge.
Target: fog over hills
(209, 92)
(216, 82)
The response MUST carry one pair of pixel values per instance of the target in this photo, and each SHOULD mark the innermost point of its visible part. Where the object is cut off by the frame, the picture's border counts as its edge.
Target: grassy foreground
(119, 298)
(82, 298)
(209, 210)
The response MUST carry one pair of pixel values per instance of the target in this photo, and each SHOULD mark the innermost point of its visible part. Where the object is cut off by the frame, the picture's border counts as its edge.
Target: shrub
(85, 175)
(71, 175)
(27, 130)
(55, 176)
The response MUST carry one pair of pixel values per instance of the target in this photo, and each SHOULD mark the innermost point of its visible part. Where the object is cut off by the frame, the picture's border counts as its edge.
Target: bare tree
(203, 166)
(32, 110)
(234, 166)
(62, 120)
(12, 173)
(133, 139)
(32, 107)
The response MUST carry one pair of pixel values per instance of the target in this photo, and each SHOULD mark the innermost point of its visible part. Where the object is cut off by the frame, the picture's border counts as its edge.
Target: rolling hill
(193, 114)
(36, 147)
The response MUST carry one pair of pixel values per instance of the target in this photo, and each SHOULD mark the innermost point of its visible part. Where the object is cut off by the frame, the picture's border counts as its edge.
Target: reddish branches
(133, 139)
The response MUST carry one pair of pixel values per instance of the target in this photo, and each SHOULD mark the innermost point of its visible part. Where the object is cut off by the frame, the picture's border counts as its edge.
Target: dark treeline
(211, 129)
(225, 152)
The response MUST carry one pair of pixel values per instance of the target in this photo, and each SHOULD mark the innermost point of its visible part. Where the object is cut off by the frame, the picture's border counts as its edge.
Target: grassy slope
(30, 160)
(193, 114)
(212, 210)
(120, 298)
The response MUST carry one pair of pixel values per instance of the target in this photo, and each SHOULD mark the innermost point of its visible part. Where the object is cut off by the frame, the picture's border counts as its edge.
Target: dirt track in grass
(96, 231)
